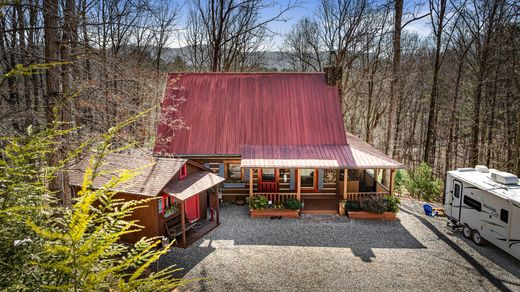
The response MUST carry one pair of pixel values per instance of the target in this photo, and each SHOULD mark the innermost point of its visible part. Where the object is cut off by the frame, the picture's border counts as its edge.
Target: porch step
(319, 212)
(323, 218)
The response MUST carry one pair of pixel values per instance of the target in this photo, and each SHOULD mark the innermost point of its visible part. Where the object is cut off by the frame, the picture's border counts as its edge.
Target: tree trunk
(474, 149)
(52, 46)
(429, 153)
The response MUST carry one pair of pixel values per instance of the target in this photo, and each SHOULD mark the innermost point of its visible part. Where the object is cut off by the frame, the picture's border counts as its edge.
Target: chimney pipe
(333, 72)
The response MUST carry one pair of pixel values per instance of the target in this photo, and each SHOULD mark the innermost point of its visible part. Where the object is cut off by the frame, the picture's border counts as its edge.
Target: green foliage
(422, 184)
(293, 204)
(258, 202)
(399, 181)
(45, 246)
(374, 205)
(353, 206)
(392, 203)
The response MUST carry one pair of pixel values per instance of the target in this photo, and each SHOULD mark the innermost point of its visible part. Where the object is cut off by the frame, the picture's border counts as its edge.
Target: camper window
(504, 215)
(456, 193)
(473, 203)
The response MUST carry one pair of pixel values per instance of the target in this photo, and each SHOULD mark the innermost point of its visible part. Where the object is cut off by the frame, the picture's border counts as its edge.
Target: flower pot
(267, 213)
(390, 216)
(234, 185)
(341, 209)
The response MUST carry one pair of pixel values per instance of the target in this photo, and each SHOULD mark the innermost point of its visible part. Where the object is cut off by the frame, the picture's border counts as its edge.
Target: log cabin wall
(146, 217)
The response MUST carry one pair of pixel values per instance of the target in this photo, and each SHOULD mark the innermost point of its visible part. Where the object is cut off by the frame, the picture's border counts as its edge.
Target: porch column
(216, 207)
(250, 182)
(183, 222)
(391, 186)
(345, 184)
(298, 184)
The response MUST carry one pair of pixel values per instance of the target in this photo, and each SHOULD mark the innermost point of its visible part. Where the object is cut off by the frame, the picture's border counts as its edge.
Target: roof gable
(224, 111)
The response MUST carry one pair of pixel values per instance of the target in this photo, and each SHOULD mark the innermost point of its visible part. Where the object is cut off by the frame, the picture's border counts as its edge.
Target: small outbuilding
(184, 194)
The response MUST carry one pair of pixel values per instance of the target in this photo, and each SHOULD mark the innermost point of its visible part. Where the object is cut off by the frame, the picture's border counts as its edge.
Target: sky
(308, 8)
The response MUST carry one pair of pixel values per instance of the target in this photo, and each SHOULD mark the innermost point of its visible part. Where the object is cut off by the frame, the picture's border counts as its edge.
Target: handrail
(361, 196)
(277, 198)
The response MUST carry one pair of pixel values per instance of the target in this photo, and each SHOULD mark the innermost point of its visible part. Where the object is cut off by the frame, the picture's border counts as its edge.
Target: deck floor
(320, 206)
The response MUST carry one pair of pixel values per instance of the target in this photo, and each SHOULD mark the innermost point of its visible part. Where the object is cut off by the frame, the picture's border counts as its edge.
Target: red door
(192, 208)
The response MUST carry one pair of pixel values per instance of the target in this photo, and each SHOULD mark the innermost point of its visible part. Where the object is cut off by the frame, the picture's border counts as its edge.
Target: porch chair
(428, 210)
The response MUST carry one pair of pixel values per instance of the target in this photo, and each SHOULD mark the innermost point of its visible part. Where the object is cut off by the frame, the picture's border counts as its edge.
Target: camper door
(456, 199)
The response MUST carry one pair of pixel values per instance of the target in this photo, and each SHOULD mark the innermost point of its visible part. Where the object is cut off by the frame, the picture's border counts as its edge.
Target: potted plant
(259, 206)
(374, 208)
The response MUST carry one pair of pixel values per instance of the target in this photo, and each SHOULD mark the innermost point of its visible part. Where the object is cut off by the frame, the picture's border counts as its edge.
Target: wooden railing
(277, 198)
(364, 196)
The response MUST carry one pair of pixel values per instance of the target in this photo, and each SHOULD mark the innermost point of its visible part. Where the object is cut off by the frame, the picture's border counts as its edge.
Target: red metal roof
(224, 111)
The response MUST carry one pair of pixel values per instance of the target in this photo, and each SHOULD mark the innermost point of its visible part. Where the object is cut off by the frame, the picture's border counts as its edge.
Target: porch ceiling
(315, 156)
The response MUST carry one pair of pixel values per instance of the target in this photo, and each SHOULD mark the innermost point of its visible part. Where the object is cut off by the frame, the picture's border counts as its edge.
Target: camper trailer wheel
(467, 232)
(477, 238)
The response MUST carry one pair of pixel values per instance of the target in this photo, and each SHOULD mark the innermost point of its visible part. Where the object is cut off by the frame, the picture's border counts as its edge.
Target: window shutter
(221, 169)
(320, 179)
(292, 179)
(246, 173)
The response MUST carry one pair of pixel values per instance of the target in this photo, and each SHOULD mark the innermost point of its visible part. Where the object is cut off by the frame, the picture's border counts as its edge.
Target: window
(456, 191)
(167, 206)
(234, 172)
(285, 175)
(268, 174)
(307, 178)
(472, 203)
(504, 215)
(183, 172)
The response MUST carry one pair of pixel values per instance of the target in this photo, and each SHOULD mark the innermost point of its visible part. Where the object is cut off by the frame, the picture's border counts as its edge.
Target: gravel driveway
(316, 254)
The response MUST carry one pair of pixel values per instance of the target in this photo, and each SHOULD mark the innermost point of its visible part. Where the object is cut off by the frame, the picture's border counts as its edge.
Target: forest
(450, 99)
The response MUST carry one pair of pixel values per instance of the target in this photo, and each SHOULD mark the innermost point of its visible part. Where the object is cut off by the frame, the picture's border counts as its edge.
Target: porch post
(250, 182)
(391, 186)
(183, 222)
(216, 207)
(298, 184)
(345, 184)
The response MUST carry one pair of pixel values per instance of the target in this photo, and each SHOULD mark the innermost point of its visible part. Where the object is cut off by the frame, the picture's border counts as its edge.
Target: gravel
(415, 253)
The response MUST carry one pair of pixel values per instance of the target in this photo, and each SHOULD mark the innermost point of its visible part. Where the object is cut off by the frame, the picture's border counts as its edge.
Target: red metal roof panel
(224, 111)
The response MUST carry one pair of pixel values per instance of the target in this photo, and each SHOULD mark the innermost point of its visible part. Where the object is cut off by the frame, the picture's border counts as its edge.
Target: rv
(485, 204)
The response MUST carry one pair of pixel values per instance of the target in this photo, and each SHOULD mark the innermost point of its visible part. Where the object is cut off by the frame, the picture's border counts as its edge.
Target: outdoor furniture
(174, 226)
(428, 210)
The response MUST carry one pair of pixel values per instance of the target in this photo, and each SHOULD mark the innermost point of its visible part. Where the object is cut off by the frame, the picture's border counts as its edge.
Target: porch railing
(365, 195)
(277, 198)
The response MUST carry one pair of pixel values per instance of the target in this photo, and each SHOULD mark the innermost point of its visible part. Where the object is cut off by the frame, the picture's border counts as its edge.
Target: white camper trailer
(485, 203)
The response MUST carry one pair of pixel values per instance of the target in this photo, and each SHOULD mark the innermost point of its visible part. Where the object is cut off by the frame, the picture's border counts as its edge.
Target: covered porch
(188, 201)
(319, 177)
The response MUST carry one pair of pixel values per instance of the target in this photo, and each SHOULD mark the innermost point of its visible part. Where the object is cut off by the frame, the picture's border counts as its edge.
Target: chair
(428, 210)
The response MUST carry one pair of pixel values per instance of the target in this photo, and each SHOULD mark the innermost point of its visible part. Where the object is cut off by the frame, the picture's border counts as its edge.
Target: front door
(268, 180)
(456, 200)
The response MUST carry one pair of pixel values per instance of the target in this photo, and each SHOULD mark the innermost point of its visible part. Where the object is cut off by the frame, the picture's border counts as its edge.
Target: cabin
(277, 135)
(183, 193)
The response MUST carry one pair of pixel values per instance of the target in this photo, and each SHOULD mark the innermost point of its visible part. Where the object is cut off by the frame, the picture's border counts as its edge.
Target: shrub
(353, 206)
(422, 184)
(374, 205)
(392, 203)
(258, 202)
(293, 204)
(399, 181)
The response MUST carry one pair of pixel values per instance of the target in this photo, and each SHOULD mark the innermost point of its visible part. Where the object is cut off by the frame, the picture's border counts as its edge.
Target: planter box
(259, 213)
(391, 216)
(234, 185)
